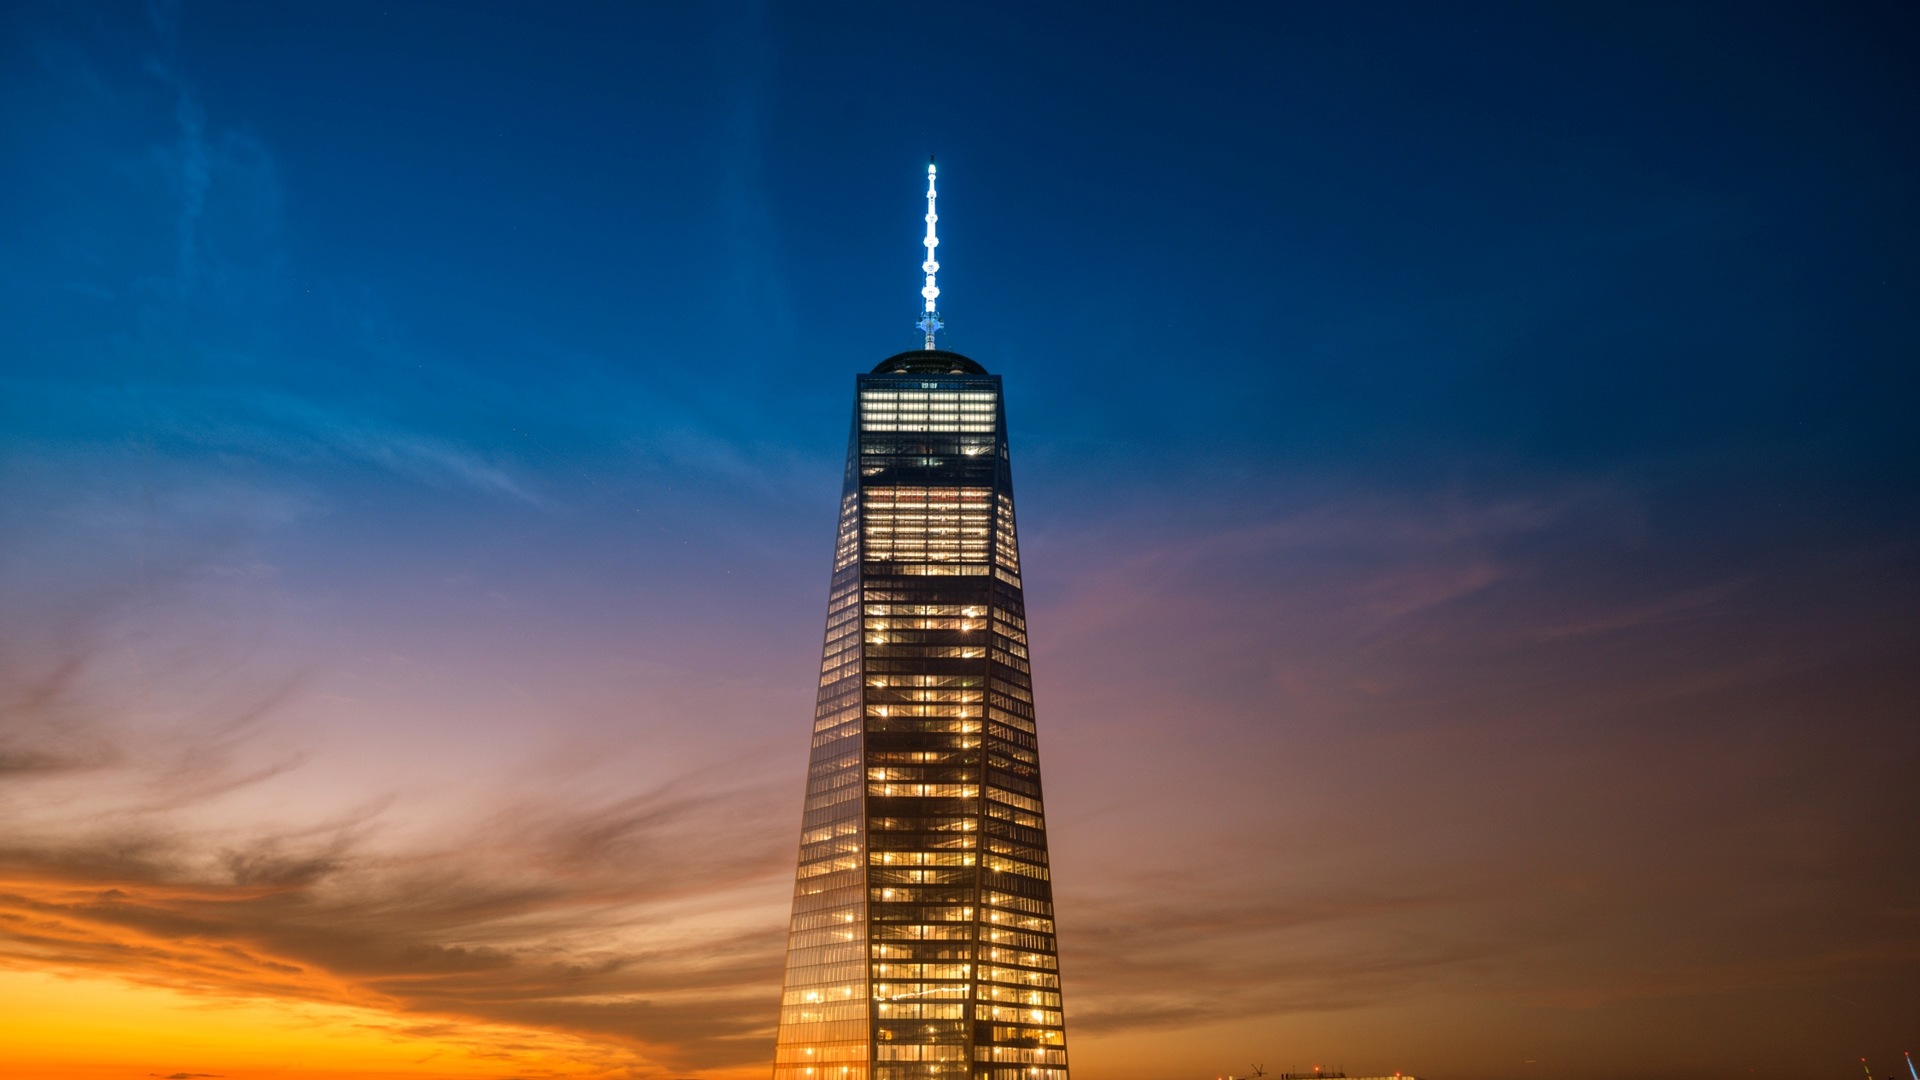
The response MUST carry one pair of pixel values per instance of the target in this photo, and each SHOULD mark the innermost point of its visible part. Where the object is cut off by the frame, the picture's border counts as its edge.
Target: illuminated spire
(930, 322)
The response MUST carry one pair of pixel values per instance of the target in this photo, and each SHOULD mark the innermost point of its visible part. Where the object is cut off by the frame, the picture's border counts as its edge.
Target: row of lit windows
(1014, 1014)
(925, 774)
(1018, 903)
(926, 652)
(919, 952)
(1030, 1035)
(1032, 838)
(809, 939)
(895, 1052)
(946, 403)
(1012, 759)
(931, 552)
(831, 798)
(828, 866)
(836, 1040)
(905, 540)
(830, 1050)
(971, 611)
(1017, 716)
(924, 932)
(842, 991)
(922, 824)
(904, 902)
(1029, 1073)
(827, 1013)
(969, 421)
(927, 454)
(893, 971)
(1018, 977)
(915, 637)
(832, 769)
(840, 973)
(931, 569)
(1010, 734)
(924, 623)
(1006, 545)
(921, 1070)
(906, 526)
(1025, 922)
(880, 407)
(935, 526)
(930, 425)
(926, 495)
(835, 731)
(897, 723)
(1011, 799)
(1011, 866)
(917, 774)
(1049, 999)
(937, 876)
(898, 913)
(878, 426)
(1005, 707)
(941, 841)
(950, 755)
(887, 411)
(839, 1072)
(888, 970)
(816, 918)
(1021, 939)
(945, 537)
(920, 679)
(891, 992)
(1013, 689)
(1014, 783)
(980, 418)
(1021, 1054)
(846, 543)
(903, 710)
(816, 889)
(926, 393)
(921, 858)
(891, 692)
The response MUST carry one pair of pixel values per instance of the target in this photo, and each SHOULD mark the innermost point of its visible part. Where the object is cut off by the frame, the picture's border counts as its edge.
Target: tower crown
(928, 362)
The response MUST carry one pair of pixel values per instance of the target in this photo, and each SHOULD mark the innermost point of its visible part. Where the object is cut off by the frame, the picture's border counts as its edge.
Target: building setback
(922, 940)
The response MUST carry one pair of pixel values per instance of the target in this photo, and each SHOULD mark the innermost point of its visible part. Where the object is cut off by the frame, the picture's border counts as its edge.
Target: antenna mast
(930, 322)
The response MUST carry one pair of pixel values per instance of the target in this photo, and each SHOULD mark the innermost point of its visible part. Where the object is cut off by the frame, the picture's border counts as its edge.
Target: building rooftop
(928, 362)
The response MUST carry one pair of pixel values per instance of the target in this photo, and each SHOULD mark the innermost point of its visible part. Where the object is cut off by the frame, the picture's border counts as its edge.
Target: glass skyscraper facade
(922, 940)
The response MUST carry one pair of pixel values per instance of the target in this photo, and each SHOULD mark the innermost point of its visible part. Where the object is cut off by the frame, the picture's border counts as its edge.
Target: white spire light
(930, 322)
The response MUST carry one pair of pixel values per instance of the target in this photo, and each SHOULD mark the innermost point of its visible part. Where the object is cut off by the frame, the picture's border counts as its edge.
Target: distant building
(922, 941)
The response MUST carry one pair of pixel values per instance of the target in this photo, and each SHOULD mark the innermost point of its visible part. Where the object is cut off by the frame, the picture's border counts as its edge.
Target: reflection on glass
(922, 940)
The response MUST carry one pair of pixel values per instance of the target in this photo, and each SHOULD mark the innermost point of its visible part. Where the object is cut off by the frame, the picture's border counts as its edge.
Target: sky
(1465, 456)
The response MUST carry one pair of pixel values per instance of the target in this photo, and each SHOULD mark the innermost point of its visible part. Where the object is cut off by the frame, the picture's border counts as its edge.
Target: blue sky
(1503, 406)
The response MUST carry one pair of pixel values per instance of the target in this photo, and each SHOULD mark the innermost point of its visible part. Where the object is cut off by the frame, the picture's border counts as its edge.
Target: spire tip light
(930, 322)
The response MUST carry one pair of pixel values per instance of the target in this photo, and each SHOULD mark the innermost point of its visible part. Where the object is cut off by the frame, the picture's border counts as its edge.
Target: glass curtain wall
(922, 943)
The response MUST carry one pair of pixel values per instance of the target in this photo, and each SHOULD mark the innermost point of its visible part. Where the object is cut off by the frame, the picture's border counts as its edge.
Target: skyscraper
(922, 940)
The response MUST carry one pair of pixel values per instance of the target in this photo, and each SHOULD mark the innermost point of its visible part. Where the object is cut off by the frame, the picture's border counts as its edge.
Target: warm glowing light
(58, 1027)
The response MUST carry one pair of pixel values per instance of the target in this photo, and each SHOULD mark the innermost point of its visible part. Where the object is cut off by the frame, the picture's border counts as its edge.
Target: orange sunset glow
(509, 564)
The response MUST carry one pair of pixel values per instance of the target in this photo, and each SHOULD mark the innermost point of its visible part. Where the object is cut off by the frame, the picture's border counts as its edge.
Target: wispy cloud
(605, 917)
(1453, 743)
